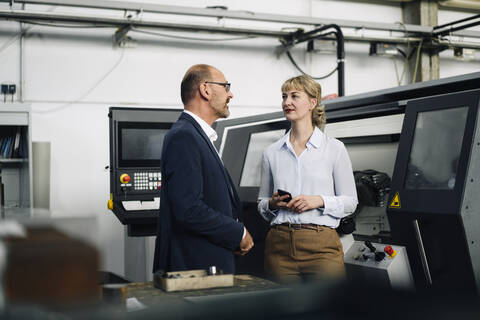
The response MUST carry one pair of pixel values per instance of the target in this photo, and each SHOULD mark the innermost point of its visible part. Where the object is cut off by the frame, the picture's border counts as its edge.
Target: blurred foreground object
(47, 267)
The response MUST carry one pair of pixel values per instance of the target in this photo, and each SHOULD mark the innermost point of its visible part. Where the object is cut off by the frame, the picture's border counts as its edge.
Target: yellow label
(395, 202)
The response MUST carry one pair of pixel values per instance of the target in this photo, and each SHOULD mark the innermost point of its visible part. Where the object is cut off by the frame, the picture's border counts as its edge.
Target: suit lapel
(226, 176)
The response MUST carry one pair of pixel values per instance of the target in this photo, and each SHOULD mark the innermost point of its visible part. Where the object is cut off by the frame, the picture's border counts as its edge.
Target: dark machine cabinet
(241, 144)
(432, 208)
(136, 139)
(446, 228)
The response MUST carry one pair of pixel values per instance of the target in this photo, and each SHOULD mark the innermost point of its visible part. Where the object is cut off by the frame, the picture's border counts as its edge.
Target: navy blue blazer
(199, 207)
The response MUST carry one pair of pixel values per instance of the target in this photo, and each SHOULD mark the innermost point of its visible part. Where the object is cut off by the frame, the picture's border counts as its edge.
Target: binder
(16, 144)
(2, 142)
(6, 147)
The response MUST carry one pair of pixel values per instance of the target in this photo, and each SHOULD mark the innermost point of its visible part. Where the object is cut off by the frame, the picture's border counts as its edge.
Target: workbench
(147, 294)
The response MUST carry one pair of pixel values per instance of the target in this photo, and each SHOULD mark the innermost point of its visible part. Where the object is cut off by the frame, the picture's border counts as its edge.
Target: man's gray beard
(224, 114)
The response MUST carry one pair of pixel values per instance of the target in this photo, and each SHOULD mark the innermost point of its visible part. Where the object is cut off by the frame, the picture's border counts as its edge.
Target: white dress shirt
(323, 169)
(212, 136)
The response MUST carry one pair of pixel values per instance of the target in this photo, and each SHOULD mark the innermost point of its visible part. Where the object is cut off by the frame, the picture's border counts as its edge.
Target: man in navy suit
(200, 212)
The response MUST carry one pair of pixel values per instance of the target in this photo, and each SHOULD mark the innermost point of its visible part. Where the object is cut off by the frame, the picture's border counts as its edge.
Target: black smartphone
(282, 193)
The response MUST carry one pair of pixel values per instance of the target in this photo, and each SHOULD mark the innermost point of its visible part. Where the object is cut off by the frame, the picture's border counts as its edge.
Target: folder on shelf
(6, 147)
(23, 148)
(13, 142)
(16, 144)
(2, 142)
(10, 147)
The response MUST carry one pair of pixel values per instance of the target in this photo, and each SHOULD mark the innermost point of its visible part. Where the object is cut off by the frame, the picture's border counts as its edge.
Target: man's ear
(204, 91)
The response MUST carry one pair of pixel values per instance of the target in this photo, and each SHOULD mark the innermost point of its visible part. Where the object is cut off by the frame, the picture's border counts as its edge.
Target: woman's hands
(304, 203)
(298, 204)
(277, 201)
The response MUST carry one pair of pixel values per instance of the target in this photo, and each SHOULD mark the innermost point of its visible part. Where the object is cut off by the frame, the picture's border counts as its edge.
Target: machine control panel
(377, 254)
(140, 181)
(379, 262)
(147, 180)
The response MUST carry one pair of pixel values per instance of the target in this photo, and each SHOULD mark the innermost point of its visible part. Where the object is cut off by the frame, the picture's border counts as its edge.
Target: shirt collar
(315, 139)
(283, 141)
(211, 134)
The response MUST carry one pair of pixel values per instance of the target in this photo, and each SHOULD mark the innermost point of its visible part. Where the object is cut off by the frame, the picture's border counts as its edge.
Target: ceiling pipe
(229, 14)
(453, 26)
(25, 16)
(455, 4)
(461, 4)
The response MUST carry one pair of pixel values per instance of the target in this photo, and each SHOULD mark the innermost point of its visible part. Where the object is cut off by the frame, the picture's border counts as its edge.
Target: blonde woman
(316, 170)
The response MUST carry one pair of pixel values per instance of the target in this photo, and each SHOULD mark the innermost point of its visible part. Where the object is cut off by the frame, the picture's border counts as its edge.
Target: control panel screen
(259, 141)
(436, 148)
(140, 144)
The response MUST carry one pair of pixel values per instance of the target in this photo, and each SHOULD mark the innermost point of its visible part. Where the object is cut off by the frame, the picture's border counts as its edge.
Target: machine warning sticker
(395, 202)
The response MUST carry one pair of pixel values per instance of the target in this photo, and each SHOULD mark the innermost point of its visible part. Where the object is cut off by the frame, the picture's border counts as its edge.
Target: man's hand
(246, 244)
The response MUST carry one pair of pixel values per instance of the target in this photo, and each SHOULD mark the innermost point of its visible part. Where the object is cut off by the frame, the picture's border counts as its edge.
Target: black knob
(370, 246)
(379, 256)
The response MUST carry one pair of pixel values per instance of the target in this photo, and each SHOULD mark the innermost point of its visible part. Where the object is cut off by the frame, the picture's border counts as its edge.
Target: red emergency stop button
(389, 250)
(125, 178)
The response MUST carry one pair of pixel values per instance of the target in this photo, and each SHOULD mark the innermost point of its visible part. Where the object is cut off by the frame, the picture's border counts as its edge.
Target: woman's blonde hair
(313, 89)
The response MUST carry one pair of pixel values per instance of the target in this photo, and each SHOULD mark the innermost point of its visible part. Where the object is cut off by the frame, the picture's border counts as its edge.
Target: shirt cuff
(265, 212)
(270, 214)
(244, 232)
(332, 207)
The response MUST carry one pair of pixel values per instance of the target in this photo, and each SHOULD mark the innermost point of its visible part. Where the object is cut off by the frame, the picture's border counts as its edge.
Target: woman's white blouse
(323, 168)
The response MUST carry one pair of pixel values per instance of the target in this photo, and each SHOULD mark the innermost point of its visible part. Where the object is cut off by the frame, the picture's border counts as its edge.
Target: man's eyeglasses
(225, 84)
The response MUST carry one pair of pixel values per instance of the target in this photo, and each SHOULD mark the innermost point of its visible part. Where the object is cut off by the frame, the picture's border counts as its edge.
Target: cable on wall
(89, 90)
(18, 35)
(406, 56)
(13, 39)
(289, 55)
(417, 60)
(295, 64)
(300, 36)
(83, 96)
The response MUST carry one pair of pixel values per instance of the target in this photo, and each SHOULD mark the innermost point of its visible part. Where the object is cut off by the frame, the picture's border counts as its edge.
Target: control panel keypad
(147, 180)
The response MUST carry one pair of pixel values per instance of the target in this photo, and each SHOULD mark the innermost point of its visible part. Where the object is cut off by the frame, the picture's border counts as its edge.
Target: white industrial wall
(72, 76)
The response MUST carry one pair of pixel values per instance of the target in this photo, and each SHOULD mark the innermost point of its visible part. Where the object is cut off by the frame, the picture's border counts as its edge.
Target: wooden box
(191, 280)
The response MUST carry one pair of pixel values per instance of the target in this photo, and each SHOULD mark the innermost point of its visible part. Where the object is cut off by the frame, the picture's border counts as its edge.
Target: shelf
(14, 160)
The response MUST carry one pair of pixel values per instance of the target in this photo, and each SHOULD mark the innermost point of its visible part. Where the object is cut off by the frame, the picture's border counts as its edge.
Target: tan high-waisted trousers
(293, 252)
